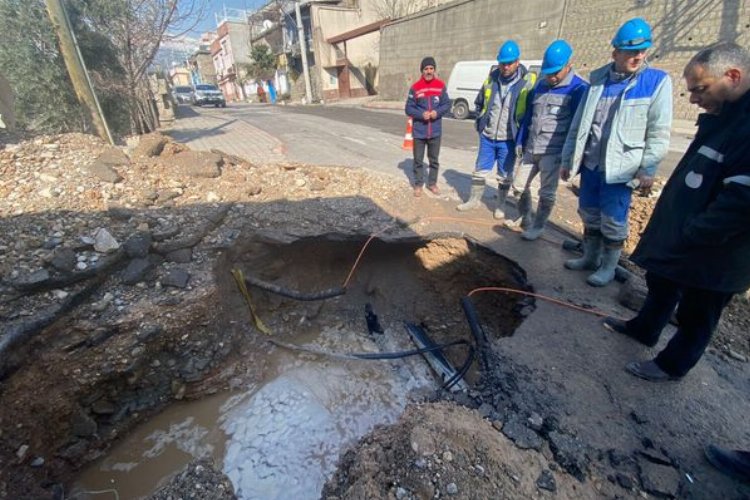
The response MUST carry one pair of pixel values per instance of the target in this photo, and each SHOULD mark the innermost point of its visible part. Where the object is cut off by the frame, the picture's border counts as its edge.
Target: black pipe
(294, 294)
(461, 371)
(480, 337)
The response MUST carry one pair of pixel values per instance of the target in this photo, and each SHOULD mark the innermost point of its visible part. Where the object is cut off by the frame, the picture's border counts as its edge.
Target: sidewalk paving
(205, 132)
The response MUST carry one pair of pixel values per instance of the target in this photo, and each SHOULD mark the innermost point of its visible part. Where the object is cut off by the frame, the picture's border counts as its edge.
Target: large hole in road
(283, 427)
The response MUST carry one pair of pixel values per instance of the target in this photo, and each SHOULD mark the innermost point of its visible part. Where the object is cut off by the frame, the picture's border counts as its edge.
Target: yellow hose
(239, 277)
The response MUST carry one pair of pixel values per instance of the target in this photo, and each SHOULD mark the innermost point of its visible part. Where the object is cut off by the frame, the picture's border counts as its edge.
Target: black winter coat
(699, 233)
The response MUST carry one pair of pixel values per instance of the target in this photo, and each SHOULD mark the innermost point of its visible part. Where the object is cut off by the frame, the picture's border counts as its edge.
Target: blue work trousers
(604, 207)
(502, 153)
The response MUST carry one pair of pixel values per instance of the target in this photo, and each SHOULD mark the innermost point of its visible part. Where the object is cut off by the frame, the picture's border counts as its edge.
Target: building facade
(230, 51)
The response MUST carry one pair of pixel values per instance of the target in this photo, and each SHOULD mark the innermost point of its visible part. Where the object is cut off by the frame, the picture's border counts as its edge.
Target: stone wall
(473, 29)
(461, 30)
(681, 28)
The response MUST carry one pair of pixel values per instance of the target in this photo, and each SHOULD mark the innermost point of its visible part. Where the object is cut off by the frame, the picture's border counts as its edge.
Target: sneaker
(433, 189)
(649, 370)
(734, 463)
(417, 191)
(620, 326)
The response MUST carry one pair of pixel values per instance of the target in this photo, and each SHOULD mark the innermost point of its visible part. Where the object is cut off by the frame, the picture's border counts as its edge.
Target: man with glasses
(501, 104)
(552, 105)
(696, 247)
(617, 139)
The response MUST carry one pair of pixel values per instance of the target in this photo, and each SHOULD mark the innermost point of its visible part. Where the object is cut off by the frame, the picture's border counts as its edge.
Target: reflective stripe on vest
(530, 80)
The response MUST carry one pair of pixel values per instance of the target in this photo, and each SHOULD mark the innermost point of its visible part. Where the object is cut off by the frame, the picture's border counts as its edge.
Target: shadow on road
(189, 134)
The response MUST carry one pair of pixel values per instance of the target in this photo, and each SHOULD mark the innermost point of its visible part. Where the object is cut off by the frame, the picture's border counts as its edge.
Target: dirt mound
(438, 450)
(200, 479)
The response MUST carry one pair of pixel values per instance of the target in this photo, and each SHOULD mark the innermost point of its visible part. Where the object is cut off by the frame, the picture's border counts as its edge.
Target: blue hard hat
(509, 52)
(556, 57)
(633, 35)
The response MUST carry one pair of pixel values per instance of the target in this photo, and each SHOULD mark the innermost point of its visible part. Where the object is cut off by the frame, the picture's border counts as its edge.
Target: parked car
(466, 81)
(183, 94)
(208, 94)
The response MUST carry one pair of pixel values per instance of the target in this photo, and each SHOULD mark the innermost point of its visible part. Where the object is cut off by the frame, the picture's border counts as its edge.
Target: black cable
(462, 371)
(412, 352)
(372, 356)
(294, 294)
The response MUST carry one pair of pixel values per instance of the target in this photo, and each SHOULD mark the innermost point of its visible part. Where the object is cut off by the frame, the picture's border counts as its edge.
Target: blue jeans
(604, 207)
(490, 152)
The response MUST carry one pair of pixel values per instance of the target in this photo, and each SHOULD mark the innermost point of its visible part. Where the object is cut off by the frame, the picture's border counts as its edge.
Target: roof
(357, 32)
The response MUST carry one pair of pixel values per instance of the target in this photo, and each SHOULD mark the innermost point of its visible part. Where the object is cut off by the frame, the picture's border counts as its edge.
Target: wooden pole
(76, 67)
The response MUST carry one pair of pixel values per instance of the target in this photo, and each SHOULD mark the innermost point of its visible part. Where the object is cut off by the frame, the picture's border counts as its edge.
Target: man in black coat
(696, 247)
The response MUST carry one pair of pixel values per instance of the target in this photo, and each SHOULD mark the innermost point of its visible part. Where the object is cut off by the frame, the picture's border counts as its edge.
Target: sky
(208, 23)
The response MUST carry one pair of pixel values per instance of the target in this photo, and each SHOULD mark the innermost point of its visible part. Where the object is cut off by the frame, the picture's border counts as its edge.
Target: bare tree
(137, 28)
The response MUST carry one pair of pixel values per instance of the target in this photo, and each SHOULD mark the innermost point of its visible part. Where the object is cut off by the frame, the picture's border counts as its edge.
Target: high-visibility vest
(529, 78)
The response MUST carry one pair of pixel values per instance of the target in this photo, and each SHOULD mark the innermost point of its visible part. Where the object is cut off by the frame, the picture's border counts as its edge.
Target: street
(339, 135)
(356, 137)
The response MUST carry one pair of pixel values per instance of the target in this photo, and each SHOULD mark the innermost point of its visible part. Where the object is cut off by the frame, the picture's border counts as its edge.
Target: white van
(466, 81)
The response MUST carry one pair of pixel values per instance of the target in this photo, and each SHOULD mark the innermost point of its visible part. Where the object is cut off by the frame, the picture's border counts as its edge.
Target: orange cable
(595, 312)
(356, 262)
(481, 289)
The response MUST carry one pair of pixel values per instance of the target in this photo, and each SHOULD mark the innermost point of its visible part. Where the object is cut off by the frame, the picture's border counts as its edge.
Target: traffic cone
(408, 138)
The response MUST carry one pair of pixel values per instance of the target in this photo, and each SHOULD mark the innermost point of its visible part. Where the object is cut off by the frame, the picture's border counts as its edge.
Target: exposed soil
(439, 450)
(115, 300)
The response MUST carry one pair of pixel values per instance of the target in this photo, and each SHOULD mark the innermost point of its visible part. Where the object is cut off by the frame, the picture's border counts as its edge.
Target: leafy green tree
(118, 41)
(45, 101)
(264, 62)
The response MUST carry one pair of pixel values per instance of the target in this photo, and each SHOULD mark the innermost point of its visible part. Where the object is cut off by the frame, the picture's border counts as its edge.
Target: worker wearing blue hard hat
(556, 57)
(616, 141)
(509, 53)
(500, 105)
(552, 104)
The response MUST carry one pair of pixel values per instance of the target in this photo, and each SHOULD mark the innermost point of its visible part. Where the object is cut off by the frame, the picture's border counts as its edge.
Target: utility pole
(71, 53)
(303, 50)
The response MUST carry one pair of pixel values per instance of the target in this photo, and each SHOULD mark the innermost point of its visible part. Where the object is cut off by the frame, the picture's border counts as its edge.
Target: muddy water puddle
(280, 438)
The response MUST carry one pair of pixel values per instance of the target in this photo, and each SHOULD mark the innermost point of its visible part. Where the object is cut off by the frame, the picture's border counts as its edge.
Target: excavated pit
(281, 429)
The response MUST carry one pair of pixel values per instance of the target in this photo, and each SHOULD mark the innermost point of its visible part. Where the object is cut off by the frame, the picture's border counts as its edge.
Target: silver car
(183, 94)
(208, 94)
